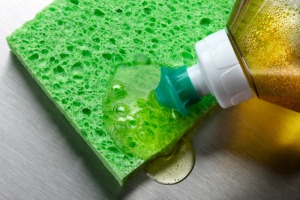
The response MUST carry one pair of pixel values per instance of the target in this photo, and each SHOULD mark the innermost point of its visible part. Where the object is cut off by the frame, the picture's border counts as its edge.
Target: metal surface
(251, 151)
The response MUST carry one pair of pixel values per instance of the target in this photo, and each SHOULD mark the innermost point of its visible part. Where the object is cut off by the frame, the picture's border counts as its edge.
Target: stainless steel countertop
(251, 151)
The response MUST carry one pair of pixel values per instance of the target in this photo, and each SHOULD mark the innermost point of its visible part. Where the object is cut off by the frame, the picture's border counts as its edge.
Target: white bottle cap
(219, 71)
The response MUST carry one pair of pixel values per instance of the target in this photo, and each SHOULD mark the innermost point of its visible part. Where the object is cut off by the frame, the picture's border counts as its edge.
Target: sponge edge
(73, 47)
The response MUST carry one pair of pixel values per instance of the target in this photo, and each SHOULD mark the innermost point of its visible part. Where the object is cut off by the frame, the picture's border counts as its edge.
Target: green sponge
(73, 48)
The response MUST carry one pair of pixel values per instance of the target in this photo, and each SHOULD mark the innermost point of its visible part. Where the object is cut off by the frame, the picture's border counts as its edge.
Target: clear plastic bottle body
(266, 37)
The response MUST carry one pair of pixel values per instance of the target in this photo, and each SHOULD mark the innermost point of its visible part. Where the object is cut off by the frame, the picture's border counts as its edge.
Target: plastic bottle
(258, 53)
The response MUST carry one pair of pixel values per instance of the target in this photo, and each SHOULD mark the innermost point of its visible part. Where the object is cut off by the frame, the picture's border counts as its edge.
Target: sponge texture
(73, 48)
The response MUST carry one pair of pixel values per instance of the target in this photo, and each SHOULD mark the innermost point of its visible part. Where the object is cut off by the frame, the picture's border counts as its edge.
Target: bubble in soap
(121, 109)
(120, 124)
(118, 89)
(131, 122)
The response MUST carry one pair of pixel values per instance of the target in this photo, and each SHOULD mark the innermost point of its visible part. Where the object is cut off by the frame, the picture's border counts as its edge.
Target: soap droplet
(175, 167)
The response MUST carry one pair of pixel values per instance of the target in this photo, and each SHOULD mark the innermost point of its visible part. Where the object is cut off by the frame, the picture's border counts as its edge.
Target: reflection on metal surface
(268, 134)
(175, 167)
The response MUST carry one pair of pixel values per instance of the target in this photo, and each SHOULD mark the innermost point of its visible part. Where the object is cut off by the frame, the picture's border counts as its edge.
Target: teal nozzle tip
(175, 89)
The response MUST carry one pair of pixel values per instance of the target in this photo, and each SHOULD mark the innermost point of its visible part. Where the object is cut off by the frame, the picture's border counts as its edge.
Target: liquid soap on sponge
(73, 49)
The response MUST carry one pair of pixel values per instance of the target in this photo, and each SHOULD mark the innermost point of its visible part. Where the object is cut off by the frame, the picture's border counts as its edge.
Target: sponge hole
(76, 2)
(63, 55)
(205, 21)
(87, 53)
(147, 11)
(70, 48)
(60, 22)
(34, 56)
(86, 111)
(112, 40)
(186, 55)
(119, 10)
(132, 144)
(77, 67)
(100, 132)
(76, 103)
(96, 40)
(98, 13)
(77, 77)
(149, 30)
(58, 70)
(44, 51)
(107, 56)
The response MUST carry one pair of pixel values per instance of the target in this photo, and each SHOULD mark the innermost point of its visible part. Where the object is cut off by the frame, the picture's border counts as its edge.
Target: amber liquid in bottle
(266, 35)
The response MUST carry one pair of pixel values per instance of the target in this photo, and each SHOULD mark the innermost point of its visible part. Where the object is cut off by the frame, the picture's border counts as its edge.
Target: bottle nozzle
(176, 90)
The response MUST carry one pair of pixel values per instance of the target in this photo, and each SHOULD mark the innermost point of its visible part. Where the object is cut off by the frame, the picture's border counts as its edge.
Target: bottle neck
(198, 80)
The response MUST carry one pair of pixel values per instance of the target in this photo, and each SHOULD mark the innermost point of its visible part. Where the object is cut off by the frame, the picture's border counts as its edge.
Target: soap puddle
(174, 167)
(132, 115)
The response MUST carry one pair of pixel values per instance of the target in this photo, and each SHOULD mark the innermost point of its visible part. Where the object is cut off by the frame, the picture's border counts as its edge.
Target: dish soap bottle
(258, 53)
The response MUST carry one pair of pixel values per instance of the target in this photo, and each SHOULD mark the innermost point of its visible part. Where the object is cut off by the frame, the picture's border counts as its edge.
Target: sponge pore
(73, 47)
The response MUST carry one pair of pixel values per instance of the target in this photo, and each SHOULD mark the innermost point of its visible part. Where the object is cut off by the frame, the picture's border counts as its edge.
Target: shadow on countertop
(256, 130)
